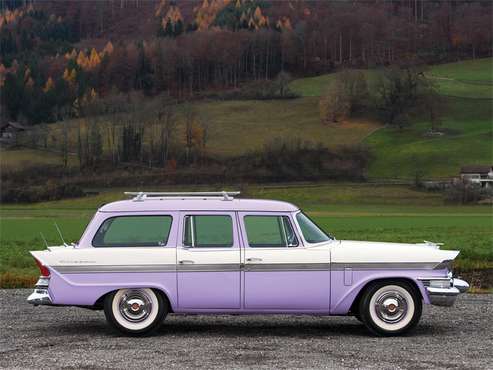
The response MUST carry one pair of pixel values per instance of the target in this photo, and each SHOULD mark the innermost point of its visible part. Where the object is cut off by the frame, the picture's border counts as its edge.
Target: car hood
(352, 251)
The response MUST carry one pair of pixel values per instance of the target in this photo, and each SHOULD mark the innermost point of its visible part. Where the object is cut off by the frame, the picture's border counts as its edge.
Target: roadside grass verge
(392, 213)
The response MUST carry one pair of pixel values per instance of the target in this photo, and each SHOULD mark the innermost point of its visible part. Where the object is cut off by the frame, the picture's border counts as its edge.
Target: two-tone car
(214, 253)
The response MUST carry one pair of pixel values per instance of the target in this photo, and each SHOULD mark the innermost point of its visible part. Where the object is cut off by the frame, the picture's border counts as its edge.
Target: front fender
(344, 290)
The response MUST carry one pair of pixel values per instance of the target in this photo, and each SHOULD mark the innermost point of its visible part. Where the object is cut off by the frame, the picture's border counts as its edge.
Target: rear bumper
(40, 296)
(445, 296)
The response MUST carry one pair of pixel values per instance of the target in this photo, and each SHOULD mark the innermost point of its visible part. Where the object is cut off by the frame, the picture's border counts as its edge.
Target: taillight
(43, 269)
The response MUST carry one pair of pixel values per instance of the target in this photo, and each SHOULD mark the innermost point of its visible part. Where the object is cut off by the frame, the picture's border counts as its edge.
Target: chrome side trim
(81, 269)
(287, 266)
(208, 267)
(340, 266)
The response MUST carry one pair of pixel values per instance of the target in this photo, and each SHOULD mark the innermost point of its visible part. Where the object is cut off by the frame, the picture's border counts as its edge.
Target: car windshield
(311, 232)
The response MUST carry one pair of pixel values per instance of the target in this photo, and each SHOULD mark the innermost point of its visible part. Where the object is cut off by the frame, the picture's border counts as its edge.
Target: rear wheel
(390, 308)
(135, 311)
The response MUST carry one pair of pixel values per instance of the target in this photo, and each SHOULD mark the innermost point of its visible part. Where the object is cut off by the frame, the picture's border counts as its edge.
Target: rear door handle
(254, 259)
(186, 262)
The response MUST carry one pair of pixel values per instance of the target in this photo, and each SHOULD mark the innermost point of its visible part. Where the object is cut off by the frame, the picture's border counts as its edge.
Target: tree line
(220, 44)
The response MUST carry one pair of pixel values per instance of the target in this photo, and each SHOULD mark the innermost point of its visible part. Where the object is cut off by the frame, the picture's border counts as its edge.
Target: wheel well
(355, 305)
(99, 304)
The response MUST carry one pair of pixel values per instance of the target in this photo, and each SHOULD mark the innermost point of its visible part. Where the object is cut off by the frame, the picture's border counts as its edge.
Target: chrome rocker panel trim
(445, 296)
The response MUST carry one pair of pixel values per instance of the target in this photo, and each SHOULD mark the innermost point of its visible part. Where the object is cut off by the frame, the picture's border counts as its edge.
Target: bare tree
(399, 91)
(167, 124)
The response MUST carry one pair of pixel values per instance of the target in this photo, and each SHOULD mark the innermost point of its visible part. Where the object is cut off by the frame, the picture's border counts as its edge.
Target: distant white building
(482, 175)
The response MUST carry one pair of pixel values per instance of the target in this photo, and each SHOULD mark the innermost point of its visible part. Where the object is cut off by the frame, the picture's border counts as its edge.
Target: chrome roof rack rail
(142, 195)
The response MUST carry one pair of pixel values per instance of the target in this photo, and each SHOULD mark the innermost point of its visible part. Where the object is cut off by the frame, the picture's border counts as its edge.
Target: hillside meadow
(347, 211)
(466, 126)
(236, 127)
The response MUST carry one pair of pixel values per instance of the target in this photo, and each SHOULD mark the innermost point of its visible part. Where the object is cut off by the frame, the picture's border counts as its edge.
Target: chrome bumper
(40, 296)
(445, 296)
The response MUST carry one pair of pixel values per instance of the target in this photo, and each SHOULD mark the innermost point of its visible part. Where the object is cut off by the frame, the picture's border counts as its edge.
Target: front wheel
(135, 311)
(390, 308)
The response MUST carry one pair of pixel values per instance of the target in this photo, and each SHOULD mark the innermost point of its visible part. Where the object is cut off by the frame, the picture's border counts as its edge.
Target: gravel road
(50, 337)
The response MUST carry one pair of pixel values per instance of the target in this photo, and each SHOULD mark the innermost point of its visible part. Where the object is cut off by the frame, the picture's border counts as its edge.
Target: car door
(208, 261)
(280, 272)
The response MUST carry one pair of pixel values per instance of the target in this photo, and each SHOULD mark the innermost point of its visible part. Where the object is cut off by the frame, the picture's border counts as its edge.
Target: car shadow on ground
(252, 329)
(211, 327)
(281, 329)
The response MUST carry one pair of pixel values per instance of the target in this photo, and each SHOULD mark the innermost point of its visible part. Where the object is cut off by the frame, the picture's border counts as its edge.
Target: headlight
(440, 283)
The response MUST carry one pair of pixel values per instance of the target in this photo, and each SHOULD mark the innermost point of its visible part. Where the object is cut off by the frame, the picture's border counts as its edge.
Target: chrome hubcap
(391, 307)
(135, 305)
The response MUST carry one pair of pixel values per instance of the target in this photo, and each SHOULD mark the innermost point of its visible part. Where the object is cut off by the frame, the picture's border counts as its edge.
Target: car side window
(270, 231)
(133, 231)
(208, 231)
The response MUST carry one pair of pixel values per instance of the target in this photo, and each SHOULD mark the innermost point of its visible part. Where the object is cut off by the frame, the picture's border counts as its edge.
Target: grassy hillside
(236, 127)
(466, 123)
(11, 160)
(241, 126)
(404, 153)
(469, 79)
(348, 211)
(312, 86)
(478, 70)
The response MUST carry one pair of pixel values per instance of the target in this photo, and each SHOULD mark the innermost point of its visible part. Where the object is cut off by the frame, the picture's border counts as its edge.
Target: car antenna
(60, 233)
(44, 239)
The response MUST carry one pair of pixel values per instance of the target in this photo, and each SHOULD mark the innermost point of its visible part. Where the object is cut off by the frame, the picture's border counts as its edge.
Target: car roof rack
(139, 196)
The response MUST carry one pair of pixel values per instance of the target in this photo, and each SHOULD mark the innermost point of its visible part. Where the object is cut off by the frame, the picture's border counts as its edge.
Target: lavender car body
(209, 253)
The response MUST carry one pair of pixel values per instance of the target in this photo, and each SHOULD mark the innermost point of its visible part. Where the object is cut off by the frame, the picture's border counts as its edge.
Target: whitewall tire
(390, 308)
(135, 311)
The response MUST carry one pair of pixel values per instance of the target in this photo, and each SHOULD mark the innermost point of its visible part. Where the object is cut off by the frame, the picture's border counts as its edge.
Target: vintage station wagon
(212, 253)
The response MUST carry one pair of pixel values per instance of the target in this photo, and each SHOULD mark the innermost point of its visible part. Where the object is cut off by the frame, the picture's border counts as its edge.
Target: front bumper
(444, 295)
(40, 296)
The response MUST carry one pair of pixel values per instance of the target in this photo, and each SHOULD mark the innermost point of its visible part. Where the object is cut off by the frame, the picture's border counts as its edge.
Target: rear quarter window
(133, 231)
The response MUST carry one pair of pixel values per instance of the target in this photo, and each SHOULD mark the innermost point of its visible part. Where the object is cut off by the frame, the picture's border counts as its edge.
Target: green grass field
(312, 86)
(466, 123)
(467, 139)
(478, 70)
(10, 160)
(348, 211)
(469, 79)
(237, 127)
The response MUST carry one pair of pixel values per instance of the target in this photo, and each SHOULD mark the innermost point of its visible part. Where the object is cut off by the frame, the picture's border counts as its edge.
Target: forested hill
(58, 56)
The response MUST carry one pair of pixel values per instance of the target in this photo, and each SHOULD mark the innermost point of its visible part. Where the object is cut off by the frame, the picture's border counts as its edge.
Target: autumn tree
(196, 128)
(334, 104)
(355, 87)
(347, 93)
(172, 23)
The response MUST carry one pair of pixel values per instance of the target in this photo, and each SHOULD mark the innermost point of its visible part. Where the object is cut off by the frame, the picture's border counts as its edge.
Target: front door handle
(254, 259)
(186, 262)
